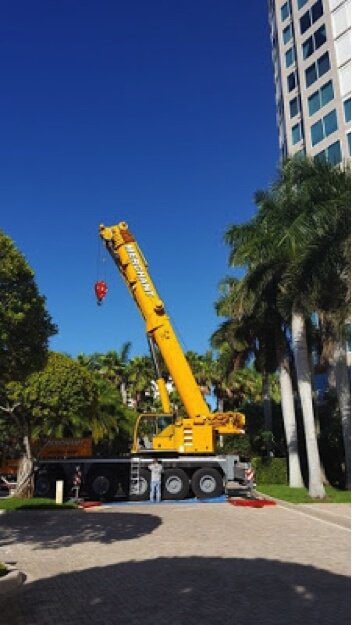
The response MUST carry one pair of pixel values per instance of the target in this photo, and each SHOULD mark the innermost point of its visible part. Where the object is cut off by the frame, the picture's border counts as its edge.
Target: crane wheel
(144, 487)
(45, 483)
(175, 484)
(44, 486)
(102, 483)
(207, 482)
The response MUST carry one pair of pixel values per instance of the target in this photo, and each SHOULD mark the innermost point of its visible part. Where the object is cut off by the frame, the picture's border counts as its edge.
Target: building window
(349, 142)
(332, 154)
(317, 69)
(326, 93)
(319, 98)
(347, 110)
(308, 47)
(319, 37)
(301, 3)
(287, 33)
(330, 123)
(314, 42)
(297, 133)
(291, 81)
(290, 57)
(305, 22)
(311, 74)
(311, 16)
(317, 132)
(324, 127)
(323, 64)
(294, 107)
(285, 11)
(317, 10)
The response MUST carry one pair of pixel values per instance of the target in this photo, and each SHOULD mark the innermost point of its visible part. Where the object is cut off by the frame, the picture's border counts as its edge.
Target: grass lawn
(300, 495)
(15, 503)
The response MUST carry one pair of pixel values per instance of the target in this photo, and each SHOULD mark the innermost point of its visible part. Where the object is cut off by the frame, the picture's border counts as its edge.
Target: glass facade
(294, 107)
(332, 154)
(291, 81)
(311, 51)
(324, 127)
(285, 11)
(287, 33)
(320, 98)
(311, 16)
(290, 57)
(296, 133)
(314, 42)
(317, 69)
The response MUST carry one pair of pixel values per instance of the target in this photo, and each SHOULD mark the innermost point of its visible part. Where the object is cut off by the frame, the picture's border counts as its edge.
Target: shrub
(270, 470)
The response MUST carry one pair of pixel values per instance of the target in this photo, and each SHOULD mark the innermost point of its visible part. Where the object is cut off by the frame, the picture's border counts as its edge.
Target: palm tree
(320, 238)
(201, 366)
(300, 232)
(250, 330)
(112, 366)
(140, 375)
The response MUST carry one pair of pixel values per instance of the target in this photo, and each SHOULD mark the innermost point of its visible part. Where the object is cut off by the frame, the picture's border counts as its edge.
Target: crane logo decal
(133, 256)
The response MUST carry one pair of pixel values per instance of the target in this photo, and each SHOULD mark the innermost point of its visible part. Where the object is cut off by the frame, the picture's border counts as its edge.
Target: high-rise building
(311, 50)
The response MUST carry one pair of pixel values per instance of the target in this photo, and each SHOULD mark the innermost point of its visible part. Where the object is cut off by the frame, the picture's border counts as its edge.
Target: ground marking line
(341, 527)
(311, 507)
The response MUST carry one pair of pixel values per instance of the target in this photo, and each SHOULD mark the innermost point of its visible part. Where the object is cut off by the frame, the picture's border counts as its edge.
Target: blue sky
(157, 113)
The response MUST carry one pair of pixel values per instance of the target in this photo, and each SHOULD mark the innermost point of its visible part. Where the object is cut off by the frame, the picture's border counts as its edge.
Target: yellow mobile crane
(186, 446)
(174, 438)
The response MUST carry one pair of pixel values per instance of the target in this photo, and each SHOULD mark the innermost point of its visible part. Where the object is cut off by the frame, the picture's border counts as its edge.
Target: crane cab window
(150, 426)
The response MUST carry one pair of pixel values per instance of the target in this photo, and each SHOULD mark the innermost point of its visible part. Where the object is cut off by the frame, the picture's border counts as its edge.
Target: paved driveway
(201, 564)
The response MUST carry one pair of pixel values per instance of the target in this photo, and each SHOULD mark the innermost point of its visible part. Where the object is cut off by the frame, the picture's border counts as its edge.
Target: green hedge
(270, 470)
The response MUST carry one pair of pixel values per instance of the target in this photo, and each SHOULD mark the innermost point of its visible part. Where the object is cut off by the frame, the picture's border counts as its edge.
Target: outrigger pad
(252, 503)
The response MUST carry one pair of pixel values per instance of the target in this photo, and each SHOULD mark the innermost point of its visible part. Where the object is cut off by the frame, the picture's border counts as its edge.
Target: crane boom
(196, 432)
(134, 268)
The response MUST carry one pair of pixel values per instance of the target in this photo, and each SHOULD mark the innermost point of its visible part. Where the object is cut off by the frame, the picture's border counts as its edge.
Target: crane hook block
(101, 290)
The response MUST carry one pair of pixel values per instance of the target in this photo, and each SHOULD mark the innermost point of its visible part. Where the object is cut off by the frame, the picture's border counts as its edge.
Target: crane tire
(175, 484)
(144, 485)
(45, 483)
(207, 482)
(102, 484)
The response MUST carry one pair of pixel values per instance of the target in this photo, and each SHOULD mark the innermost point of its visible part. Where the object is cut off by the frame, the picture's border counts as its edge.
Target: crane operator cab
(154, 431)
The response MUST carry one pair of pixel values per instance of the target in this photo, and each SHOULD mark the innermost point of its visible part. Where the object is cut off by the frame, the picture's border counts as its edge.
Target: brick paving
(201, 564)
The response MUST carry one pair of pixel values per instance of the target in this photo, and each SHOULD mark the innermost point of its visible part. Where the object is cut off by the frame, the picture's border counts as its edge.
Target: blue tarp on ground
(220, 499)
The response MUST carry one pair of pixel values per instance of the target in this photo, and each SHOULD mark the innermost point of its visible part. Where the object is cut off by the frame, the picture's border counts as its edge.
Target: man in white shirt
(156, 470)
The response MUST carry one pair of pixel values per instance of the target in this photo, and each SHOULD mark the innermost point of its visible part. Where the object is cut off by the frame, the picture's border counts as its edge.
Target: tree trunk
(123, 391)
(288, 414)
(300, 351)
(267, 408)
(344, 398)
(25, 473)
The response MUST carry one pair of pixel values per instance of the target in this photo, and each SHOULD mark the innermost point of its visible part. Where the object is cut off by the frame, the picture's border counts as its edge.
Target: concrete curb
(11, 582)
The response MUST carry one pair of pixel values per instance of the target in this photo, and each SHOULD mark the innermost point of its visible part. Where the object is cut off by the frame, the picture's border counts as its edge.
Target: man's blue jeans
(155, 491)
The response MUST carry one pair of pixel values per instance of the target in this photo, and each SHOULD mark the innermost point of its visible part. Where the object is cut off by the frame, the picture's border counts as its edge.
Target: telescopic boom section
(130, 261)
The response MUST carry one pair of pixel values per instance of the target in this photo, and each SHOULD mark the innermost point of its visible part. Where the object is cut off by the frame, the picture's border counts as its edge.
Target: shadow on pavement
(53, 530)
(186, 591)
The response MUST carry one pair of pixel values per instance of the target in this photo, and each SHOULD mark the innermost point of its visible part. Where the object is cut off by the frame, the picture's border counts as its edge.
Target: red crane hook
(100, 289)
